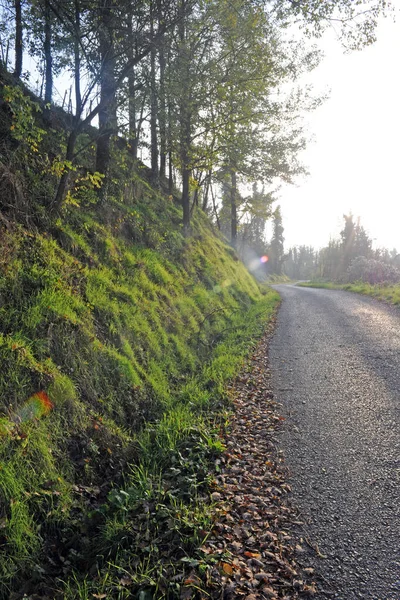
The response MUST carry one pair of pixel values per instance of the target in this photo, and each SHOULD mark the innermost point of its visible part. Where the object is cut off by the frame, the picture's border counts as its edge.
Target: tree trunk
(195, 202)
(18, 39)
(169, 146)
(215, 209)
(107, 114)
(48, 91)
(153, 102)
(233, 208)
(185, 121)
(206, 192)
(162, 109)
(186, 201)
(64, 180)
(162, 119)
(133, 133)
(170, 173)
(77, 61)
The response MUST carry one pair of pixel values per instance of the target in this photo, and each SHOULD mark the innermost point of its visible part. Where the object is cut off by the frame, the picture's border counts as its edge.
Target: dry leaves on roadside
(250, 542)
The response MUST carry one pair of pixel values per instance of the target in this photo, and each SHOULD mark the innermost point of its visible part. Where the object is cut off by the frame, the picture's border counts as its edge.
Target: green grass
(275, 279)
(133, 332)
(388, 293)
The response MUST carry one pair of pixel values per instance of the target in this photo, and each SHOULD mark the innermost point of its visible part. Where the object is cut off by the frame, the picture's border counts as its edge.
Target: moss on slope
(132, 331)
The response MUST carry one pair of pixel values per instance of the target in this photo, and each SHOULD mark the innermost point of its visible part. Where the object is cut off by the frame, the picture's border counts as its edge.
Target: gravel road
(335, 359)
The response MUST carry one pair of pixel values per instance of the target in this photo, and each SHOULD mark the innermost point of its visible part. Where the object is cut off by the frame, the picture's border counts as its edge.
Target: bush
(371, 271)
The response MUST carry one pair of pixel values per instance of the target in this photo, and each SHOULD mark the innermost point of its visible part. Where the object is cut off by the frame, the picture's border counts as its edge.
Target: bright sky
(354, 162)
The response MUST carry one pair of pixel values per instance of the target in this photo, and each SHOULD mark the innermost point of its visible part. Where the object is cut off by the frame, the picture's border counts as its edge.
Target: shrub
(371, 271)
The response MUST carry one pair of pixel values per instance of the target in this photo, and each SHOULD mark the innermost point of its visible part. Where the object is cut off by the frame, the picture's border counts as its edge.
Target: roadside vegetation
(119, 335)
(388, 292)
(274, 279)
(349, 263)
(132, 342)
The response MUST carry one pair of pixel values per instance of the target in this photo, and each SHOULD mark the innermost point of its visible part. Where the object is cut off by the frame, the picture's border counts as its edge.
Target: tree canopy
(198, 88)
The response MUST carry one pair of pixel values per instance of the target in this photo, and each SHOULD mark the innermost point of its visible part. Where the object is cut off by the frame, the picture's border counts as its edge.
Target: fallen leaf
(252, 554)
(227, 568)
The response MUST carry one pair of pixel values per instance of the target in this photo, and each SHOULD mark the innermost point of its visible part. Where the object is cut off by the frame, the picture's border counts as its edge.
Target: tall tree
(162, 112)
(187, 92)
(77, 57)
(18, 39)
(111, 79)
(354, 241)
(48, 55)
(153, 96)
(257, 135)
(276, 249)
(205, 75)
(301, 262)
(107, 113)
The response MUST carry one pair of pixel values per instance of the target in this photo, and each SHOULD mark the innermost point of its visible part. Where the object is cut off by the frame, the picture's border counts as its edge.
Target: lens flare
(35, 407)
(264, 259)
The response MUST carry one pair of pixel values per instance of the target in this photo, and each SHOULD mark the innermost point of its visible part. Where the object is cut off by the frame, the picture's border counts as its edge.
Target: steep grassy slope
(131, 332)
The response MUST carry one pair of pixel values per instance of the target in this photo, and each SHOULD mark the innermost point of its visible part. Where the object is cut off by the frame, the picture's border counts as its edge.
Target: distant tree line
(349, 258)
(195, 84)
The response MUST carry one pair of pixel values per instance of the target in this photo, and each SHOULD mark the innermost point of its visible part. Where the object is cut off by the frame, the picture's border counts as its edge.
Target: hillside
(118, 337)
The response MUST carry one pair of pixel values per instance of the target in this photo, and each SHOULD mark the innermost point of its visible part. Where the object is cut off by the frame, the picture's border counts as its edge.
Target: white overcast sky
(354, 161)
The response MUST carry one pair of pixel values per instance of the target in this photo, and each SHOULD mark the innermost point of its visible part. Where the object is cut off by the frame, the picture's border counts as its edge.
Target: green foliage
(346, 260)
(276, 252)
(133, 338)
(301, 262)
(24, 126)
(370, 270)
(84, 191)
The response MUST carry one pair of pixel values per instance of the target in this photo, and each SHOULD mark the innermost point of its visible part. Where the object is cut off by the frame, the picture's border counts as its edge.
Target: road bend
(335, 359)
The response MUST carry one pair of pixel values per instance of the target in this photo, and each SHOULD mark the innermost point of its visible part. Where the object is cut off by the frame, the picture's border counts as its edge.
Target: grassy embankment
(388, 293)
(132, 332)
